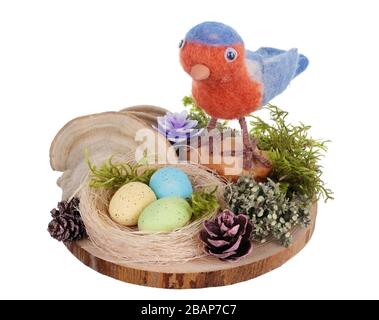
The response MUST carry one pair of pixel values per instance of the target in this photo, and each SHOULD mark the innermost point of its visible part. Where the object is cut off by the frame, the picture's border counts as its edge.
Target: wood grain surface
(200, 273)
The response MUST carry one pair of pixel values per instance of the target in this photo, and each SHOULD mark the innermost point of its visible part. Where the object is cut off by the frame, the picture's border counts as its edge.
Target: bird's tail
(302, 64)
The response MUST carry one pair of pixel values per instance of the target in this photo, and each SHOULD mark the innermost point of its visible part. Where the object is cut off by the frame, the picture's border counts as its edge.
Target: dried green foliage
(295, 155)
(203, 203)
(273, 214)
(195, 113)
(114, 175)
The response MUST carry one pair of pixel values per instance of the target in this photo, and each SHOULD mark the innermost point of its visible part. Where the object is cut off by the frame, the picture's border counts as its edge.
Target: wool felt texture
(229, 92)
(275, 69)
(213, 34)
(236, 88)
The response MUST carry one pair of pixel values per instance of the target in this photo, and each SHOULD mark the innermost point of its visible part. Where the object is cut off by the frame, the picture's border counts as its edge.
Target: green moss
(295, 155)
(203, 203)
(114, 175)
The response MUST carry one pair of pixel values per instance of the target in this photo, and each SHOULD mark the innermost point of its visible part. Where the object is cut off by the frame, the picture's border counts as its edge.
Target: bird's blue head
(212, 51)
(213, 34)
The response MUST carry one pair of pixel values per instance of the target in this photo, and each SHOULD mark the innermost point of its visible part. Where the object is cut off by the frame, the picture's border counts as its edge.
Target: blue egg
(171, 182)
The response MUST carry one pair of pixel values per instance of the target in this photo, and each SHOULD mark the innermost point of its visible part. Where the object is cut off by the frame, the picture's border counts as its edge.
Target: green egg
(165, 215)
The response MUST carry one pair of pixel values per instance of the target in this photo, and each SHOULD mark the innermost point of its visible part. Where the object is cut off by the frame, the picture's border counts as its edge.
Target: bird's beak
(200, 72)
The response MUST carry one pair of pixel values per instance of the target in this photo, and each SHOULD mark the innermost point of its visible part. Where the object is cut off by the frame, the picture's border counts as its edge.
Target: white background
(62, 59)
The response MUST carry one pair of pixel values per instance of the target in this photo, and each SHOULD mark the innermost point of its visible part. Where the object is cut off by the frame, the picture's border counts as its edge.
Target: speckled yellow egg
(129, 201)
(165, 215)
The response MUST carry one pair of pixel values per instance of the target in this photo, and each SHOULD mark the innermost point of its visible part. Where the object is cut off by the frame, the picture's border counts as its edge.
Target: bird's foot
(247, 159)
(261, 159)
(252, 154)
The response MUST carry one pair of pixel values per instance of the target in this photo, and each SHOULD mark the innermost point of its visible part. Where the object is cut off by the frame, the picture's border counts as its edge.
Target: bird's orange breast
(228, 92)
(230, 99)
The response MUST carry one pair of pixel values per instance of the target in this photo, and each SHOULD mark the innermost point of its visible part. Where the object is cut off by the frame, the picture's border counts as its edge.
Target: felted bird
(230, 82)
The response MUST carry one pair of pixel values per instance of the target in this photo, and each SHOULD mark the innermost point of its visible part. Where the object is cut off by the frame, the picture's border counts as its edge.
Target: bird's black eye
(181, 44)
(231, 54)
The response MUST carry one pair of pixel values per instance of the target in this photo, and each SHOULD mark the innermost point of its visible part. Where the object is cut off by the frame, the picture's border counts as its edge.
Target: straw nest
(126, 244)
(113, 133)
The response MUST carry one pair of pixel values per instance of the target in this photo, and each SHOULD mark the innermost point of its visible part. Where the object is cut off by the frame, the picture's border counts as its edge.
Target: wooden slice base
(200, 273)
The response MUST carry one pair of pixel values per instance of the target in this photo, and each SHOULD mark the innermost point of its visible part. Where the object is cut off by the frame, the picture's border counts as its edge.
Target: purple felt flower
(227, 237)
(177, 127)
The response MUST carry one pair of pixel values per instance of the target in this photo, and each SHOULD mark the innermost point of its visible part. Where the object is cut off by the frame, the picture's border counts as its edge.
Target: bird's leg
(257, 156)
(250, 149)
(211, 125)
(247, 145)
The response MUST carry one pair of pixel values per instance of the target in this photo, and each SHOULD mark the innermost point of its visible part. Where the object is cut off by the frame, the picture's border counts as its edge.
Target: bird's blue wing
(275, 69)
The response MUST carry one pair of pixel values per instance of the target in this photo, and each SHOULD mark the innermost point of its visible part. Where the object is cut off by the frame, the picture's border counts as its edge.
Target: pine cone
(227, 237)
(67, 224)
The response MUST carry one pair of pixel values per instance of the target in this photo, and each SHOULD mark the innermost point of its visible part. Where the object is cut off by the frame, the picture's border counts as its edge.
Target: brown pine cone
(227, 237)
(67, 224)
